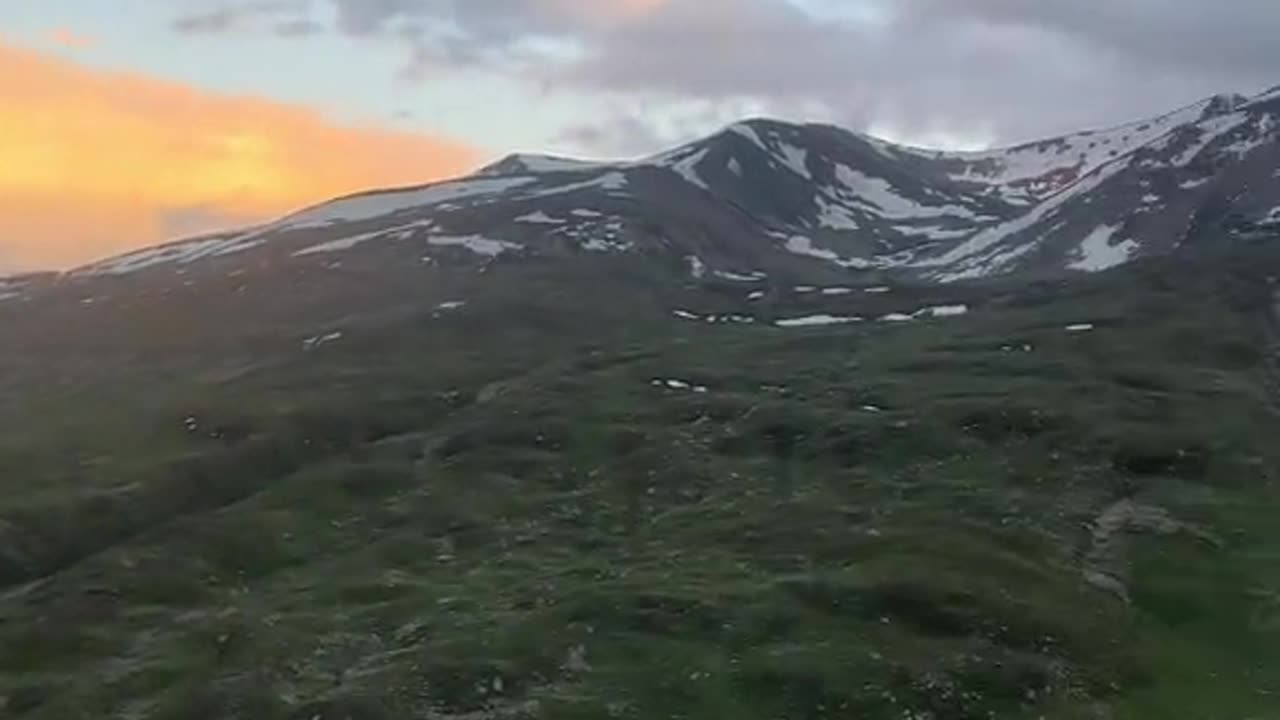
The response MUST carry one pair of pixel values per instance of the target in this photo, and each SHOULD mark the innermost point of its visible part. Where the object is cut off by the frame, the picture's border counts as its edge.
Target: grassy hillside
(506, 511)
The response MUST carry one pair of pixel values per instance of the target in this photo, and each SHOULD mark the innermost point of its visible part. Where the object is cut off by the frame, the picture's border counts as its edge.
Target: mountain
(812, 202)
(786, 422)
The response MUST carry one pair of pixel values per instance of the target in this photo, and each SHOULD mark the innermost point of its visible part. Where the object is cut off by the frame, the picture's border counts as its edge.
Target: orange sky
(92, 162)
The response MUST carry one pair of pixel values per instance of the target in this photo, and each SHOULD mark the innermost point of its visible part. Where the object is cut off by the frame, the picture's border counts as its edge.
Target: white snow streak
(817, 320)
(612, 181)
(372, 205)
(476, 244)
(400, 232)
(687, 168)
(796, 159)
(945, 310)
(736, 277)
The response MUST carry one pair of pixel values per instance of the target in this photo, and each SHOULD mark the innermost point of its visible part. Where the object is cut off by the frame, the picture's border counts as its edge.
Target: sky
(124, 123)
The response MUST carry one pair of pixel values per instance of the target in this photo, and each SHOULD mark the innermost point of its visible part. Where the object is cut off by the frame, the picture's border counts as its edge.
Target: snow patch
(549, 163)
(861, 188)
(1034, 165)
(933, 232)
(612, 181)
(737, 277)
(687, 166)
(539, 217)
(179, 252)
(945, 310)
(697, 268)
(817, 320)
(371, 205)
(801, 245)
(475, 243)
(1080, 327)
(749, 133)
(797, 159)
(675, 384)
(586, 213)
(832, 216)
(312, 343)
(970, 259)
(346, 243)
(1097, 253)
(606, 244)
(451, 305)
(937, 311)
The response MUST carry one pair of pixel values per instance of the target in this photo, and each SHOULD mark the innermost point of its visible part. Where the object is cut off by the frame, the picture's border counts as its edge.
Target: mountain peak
(1223, 104)
(533, 163)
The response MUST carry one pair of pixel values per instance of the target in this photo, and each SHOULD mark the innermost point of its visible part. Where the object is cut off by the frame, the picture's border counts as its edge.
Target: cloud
(951, 70)
(997, 69)
(98, 162)
(69, 39)
(290, 18)
(297, 27)
(219, 19)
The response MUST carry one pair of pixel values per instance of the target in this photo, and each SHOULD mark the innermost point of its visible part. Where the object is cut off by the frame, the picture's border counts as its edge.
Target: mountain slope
(808, 201)
(528, 493)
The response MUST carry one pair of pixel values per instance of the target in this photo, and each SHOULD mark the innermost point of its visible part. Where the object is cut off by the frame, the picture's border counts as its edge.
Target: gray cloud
(219, 19)
(297, 27)
(288, 18)
(1000, 70)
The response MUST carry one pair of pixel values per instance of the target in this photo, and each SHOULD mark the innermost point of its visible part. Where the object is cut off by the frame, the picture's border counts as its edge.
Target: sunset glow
(93, 162)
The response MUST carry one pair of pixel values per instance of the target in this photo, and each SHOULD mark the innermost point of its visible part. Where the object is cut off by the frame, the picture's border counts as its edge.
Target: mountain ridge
(763, 192)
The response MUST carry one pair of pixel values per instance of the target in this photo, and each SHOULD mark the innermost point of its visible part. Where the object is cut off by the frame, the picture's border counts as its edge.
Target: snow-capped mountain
(763, 197)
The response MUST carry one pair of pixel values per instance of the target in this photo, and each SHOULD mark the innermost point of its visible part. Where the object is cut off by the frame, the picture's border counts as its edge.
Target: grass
(439, 519)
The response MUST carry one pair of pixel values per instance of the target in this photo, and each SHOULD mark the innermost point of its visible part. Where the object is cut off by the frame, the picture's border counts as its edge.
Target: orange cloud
(93, 163)
(69, 39)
